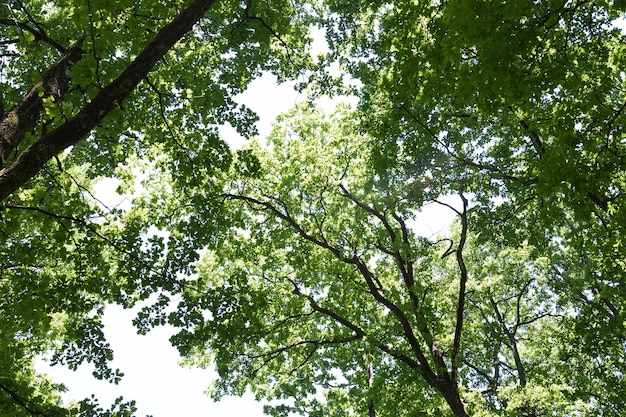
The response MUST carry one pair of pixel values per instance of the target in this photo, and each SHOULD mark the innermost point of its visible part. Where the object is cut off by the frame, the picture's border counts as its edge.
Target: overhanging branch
(21, 402)
(39, 34)
(30, 162)
(25, 115)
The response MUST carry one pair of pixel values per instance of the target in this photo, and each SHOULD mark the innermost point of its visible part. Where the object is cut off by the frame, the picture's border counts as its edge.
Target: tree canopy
(294, 265)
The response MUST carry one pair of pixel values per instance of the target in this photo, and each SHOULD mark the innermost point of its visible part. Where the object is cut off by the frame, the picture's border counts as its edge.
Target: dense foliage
(125, 89)
(314, 288)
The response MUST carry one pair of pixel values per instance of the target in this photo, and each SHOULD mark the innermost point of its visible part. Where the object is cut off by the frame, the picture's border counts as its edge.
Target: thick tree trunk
(451, 394)
(30, 162)
(27, 114)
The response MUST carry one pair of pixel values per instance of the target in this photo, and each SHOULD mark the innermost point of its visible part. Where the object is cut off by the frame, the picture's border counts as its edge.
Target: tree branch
(30, 162)
(406, 266)
(291, 222)
(25, 115)
(359, 333)
(440, 380)
(460, 309)
(370, 280)
(510, 335)
(39, 34)
(464, 161)
(21, 402)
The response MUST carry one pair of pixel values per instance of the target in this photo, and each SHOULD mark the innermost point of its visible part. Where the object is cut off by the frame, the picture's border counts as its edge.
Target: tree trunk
(451, 394)
(371, 408)
(27, 114)
(30, 162)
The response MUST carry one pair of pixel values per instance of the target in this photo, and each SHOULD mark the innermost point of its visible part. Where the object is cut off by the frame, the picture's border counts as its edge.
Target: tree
(325, 284)
(94, 90)
(526, 120)
(524, 104)
(313, 277)
(321, 293)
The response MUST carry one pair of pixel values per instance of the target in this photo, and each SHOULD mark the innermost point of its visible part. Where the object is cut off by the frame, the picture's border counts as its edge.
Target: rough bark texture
(30, 162)
(27, 114)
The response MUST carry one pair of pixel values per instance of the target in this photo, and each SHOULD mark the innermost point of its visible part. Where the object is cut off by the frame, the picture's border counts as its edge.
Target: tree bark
(450, 392)
(27, 114)
(31, 161)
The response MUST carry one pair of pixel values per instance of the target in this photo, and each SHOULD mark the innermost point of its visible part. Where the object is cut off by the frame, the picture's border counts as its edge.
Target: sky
(152, 377)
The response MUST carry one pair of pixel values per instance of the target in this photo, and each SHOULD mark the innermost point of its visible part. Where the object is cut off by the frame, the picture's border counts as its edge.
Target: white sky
(152, 377)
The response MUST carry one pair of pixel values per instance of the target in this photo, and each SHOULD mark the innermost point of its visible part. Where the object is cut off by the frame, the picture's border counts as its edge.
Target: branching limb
(358, 331)
(406, 270)
(512, 343)
(407, 329)
(249, 18)
(38, 33)
(30, 162)
(406, 267)
(448, 251)
(437, 377)
(284, 215)
(270, 355)
(372, 283)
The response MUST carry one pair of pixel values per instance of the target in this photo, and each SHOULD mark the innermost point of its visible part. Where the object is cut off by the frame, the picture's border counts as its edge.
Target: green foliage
(64, 254)
(522, 104)
(314, 284)
(279, 299)
(293, 265)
